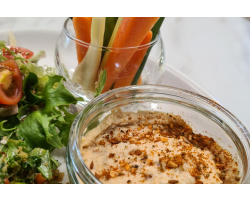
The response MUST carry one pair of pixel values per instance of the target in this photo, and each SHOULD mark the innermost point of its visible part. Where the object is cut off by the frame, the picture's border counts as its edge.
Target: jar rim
(80, 42)
(106, 95)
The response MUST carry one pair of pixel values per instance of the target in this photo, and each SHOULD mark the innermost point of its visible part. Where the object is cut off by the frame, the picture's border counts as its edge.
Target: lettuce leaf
(48, 126)
(55, 94)
(36, 131)
(45, 167)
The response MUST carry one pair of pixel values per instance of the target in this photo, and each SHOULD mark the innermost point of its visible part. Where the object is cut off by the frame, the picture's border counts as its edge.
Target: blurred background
(213, 52)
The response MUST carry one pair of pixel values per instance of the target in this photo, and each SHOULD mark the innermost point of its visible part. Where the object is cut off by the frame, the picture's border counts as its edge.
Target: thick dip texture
(154, 147)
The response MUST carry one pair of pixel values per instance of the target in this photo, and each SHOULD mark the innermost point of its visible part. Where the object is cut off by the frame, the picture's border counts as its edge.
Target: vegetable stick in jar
(131, 32)
(82, 26)
(127, 75)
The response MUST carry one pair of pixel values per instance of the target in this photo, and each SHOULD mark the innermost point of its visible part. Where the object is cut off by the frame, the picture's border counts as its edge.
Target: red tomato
(40, 179)
(24, 52)
(14, 94)
(3, 154)
(6, 181)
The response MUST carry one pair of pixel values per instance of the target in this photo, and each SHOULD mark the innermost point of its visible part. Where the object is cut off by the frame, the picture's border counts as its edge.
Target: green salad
(34, 117)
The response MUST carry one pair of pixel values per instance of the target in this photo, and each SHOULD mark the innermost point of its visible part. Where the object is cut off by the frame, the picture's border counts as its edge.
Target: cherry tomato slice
(6, 181)
(40, 179)
(14, 96)
(24, 52)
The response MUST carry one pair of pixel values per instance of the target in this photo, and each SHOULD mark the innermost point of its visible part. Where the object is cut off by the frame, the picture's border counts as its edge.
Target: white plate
(41, 39)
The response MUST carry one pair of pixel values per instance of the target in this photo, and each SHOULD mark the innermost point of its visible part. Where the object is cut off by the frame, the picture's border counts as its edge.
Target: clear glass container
(202, 114)
(66, 59)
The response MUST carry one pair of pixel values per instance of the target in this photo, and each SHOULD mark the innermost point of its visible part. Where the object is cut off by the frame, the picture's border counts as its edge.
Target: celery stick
(86, 73)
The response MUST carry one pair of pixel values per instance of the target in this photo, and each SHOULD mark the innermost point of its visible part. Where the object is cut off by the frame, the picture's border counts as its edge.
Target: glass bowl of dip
(66, 60)
(204, 116)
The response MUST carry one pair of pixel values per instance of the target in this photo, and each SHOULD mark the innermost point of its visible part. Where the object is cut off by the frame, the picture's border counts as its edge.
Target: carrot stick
(82, 26)
(128, 74)
(131, 32)
(86, 72)
(140, 81)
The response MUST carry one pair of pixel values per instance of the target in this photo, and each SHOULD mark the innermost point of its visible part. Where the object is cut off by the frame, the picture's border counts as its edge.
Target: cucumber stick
(86, 73)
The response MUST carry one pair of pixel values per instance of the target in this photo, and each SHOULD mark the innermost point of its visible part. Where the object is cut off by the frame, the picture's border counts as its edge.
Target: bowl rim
(197, 96)
(80, 42)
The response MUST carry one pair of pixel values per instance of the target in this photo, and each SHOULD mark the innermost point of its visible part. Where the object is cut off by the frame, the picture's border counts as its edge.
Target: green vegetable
(109, 28)
(155, 31)
(55, 94)
(37, 57)
(101, 82)
(54, 163)
(87, 71)
(45, 167)
(29, 88)
(37, 131)
(2, 45)
(8, 125)
(110, 43)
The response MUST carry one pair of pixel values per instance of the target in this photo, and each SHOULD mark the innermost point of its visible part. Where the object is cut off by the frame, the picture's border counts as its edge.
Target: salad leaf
(37, 57)
(3, 169)
(54, 163)
(29, 86)
(37, 131)
(2, 45)
(5, 129)
(8, 124)
(2, 58)
(45, 167)
(55, 94)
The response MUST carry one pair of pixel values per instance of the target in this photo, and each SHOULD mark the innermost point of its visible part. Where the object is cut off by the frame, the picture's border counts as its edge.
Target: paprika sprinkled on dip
(154, 147)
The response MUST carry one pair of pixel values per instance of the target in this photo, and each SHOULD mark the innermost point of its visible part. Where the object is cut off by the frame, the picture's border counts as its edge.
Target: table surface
(213, 52)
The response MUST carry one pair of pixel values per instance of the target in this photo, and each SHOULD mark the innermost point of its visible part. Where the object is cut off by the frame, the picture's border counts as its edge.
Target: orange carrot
(82, 26)
(128, 74)
(131, 32)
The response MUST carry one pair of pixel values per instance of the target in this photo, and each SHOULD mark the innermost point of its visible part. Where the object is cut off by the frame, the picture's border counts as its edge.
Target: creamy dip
(154, 147)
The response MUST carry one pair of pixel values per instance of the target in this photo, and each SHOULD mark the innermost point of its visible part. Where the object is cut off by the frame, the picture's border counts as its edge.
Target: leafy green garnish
(45, 167)
(29, 88)
(55, 94)
(2, 45)
(37, 57)
(37, 131)
(8, 125)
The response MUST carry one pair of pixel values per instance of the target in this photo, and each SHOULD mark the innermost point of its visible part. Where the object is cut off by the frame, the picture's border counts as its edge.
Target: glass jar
(66, 60)
(202, 114)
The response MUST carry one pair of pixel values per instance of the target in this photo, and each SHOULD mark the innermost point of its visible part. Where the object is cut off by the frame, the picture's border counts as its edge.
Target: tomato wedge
(24, 52)
(40, 179)
(6, 181)
(14, 94)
